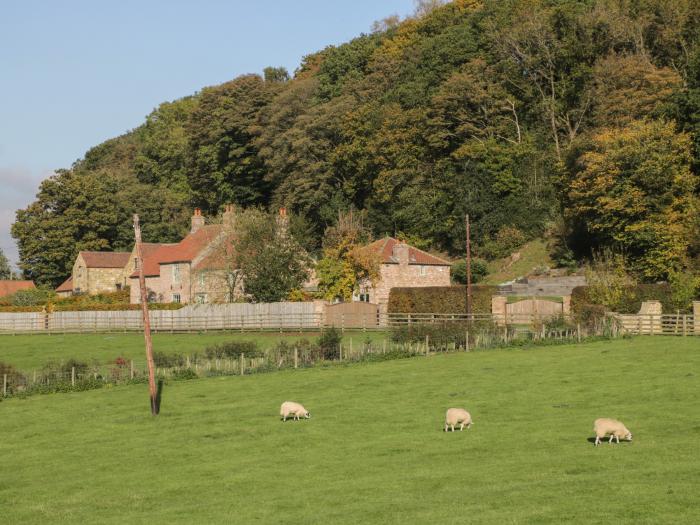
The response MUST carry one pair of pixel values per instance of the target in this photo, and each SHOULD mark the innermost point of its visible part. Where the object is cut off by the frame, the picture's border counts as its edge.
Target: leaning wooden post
(146, 319)
(72, 376)
(4, 385)
(427, 345)
(296, 357)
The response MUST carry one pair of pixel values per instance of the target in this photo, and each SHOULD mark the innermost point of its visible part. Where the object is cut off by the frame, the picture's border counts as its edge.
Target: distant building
(99, 272)
(198, 269)
(66, 288)
(9, 287)
(402, 265)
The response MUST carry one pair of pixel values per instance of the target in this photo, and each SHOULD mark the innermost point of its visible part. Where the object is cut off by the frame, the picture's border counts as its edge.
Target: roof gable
(385, 248)
(66, 286)
(8, 287)
(105, 259)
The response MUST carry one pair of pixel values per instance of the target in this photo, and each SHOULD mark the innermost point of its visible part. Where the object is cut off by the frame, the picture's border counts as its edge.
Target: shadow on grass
(604, 441)
(155, 403)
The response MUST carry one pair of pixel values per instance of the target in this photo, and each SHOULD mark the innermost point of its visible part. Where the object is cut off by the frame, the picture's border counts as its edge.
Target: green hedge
(632, 298)
(440, 299)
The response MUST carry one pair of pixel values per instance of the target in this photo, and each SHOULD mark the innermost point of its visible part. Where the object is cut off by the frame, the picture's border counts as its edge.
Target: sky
(77, 72)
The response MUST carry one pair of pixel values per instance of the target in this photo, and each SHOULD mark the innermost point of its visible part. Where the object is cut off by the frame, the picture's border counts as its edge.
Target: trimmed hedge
(440, 299)
(631, 302)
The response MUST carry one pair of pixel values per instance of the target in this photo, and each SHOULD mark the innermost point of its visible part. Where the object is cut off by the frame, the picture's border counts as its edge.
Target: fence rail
(263, 318)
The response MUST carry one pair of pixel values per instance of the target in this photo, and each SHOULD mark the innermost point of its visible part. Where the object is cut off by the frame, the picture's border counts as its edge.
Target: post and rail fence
(307, 320)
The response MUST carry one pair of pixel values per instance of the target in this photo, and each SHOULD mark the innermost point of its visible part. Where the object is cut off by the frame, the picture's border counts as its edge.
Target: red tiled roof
(10, 287)
(105, 259)
(184, 251)
(67, 285)
(385, 248)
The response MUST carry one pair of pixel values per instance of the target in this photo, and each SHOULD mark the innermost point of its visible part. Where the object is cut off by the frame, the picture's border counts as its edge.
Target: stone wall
(406, 275)
(152, 288)
(168, 286)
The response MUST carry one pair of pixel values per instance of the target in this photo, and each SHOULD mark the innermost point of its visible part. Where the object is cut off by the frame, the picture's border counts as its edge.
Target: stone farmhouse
(101, 272)
(402, 265)
(198, 269)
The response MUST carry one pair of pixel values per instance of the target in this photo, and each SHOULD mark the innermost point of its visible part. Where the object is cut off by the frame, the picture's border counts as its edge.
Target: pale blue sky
(76, 72)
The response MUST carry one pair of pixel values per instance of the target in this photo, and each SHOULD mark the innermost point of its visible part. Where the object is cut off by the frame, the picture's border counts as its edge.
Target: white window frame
(177, 298)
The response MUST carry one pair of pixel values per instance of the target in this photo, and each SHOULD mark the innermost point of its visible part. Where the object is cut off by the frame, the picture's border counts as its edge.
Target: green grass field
(373, 451)
(26, 352)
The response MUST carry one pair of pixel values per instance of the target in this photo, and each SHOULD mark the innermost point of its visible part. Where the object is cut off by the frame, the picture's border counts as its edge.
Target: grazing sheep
(605, 426)
(457, 416)
(290, 408)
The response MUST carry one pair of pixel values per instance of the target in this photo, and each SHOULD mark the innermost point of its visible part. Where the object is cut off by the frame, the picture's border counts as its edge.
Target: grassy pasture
(373, 451)
(34, 351)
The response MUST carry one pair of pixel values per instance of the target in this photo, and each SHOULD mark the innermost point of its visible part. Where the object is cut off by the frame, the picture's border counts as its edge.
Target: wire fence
(427, 337)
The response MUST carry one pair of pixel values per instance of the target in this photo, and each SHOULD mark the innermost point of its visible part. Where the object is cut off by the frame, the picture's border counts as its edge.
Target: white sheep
(290, 408)
(457, 416)
(605, 426)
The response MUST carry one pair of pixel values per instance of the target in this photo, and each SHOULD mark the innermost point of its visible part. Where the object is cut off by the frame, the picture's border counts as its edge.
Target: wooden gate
(352, 315)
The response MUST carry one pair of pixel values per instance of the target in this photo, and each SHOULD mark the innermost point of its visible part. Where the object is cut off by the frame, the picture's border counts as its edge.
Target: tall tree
(5, 270)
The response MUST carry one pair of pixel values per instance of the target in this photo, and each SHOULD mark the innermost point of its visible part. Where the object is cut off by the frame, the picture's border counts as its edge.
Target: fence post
(427, 345)
(578, 332)
(242, 363)
(72, 376)
(340, 351)
(4, 385)
(651, 324)
(684, 325)
(296, 357)
(384, 346)
(350, 352)
(131, 369)
(466, 341)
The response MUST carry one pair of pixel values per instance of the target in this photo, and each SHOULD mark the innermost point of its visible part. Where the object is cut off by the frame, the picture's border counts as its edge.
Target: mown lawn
(373, 451)
(26, 352)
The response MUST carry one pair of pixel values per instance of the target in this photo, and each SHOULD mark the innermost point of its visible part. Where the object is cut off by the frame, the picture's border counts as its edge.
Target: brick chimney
(400, 253)
(197, 220)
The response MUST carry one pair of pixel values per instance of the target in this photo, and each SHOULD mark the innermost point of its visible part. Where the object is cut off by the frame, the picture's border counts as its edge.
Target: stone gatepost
(499, 303)
(566, 305)
(650, 317)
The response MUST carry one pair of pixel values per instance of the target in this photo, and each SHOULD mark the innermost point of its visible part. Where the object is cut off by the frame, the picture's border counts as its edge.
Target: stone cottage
(98, 272)
(402, 265)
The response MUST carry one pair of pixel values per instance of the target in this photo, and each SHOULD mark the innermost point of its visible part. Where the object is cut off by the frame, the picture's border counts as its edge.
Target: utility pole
(146, 319)
(469, 268)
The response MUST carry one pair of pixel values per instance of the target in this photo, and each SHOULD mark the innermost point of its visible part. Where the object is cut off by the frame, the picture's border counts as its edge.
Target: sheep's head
(307, 415)
(628, 436)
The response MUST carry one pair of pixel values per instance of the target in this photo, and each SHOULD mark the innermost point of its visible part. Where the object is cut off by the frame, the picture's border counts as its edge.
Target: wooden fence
(658, 324)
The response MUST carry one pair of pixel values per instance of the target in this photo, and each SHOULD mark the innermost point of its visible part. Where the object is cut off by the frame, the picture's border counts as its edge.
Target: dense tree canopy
(506, 110)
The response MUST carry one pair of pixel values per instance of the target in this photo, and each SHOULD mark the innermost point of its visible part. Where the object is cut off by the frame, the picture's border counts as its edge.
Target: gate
(352, 315)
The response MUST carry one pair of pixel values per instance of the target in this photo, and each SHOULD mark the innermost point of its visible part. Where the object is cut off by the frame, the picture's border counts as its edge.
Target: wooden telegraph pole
(146, 319)
(469, 268)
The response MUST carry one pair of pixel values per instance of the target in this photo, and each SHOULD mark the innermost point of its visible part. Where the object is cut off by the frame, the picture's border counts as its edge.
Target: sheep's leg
(597, 440)
(445, 427)
(461, 426)
(617, 440)
(611, 438)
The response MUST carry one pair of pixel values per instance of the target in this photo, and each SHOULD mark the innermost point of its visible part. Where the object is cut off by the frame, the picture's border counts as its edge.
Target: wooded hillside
(579, 118)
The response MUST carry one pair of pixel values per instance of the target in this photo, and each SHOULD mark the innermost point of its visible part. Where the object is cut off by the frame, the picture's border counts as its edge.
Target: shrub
(607, 279)
(630, 299)
(184, 374)
(329, 343)
(458, 271)
(15, 379)
(32, 297)
(163, 360)
(506, 241)
(684, 289)
(440, 299)
(233, 349)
